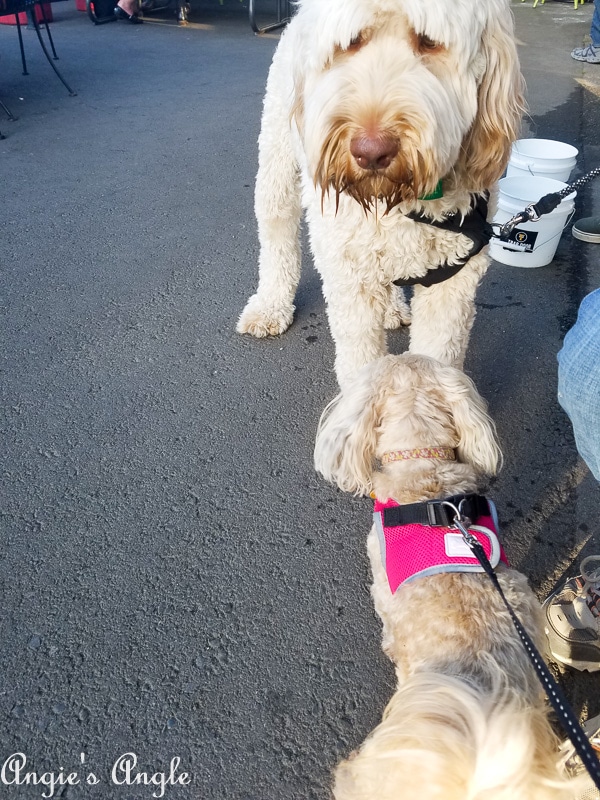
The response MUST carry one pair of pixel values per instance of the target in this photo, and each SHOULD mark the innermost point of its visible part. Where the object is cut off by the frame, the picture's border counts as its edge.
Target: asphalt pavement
(176, 581)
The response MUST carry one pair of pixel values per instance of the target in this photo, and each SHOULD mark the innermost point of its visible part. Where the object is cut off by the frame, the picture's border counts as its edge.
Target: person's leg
(591, 52)
(573, 608)
(595, 28)
(128, 9)
(579, 380)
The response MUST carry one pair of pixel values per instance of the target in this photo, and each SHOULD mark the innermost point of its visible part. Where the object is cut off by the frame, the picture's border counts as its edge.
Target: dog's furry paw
(260, 320)
(395, 318)
(397, 312)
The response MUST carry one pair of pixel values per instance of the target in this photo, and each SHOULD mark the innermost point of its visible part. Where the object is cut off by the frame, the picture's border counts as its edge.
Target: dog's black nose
(374, 151)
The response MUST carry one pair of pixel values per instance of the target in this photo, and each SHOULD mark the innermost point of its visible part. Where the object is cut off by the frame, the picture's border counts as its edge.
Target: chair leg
(47, 54)
(7, 111)
(45, 21)
(183, 10)
(20, 33)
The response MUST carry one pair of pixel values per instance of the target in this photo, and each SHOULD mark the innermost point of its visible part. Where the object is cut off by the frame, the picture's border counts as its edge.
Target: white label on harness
(456, 547)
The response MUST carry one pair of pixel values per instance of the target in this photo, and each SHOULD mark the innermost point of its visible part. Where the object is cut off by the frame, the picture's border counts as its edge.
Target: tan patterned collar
(442, 453)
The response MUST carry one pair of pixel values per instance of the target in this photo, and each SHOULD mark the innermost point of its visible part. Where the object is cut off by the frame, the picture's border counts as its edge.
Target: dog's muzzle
(374, 151)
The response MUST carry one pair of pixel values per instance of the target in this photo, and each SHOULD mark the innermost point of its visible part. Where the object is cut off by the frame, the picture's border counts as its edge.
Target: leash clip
(463, 526)
(462, 522)
(528, 215)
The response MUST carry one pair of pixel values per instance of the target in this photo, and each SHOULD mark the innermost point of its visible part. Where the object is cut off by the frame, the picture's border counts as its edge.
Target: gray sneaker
(573, 619)
(587, 229)
(589, 53)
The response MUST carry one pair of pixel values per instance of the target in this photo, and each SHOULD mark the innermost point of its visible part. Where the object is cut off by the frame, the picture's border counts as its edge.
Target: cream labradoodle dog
(371, 108)
(468, 720)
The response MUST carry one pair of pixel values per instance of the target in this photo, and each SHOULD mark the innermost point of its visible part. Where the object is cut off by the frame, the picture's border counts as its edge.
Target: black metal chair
(8, 7)
(283, 16)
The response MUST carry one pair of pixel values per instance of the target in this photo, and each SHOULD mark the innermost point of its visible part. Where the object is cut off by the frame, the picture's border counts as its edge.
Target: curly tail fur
(442, 738)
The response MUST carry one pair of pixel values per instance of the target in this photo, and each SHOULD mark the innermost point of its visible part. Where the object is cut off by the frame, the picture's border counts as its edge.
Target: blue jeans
(595, 29)
(579, 380)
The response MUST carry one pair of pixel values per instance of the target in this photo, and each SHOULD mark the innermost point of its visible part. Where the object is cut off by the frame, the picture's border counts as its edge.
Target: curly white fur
(369, 104)
(468, 720)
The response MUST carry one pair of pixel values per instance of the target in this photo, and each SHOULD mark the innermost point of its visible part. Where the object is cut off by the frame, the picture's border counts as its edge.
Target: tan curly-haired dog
(375, 110)
(468, 720)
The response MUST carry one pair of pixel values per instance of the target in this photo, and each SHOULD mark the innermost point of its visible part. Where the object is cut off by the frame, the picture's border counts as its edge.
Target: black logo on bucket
(524, 240)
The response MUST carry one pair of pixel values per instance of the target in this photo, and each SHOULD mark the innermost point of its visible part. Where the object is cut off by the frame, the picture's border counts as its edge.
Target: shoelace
(590, 589)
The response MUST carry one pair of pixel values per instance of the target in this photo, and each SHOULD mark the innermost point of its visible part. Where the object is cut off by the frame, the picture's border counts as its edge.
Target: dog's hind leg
(278, 210)
(443, 314)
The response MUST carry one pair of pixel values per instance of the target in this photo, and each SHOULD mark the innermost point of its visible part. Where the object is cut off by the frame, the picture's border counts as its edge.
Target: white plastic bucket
(543, 158)
(533, 244)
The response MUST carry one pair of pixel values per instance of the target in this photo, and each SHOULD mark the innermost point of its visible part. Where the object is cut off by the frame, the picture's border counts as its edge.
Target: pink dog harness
(417, 540)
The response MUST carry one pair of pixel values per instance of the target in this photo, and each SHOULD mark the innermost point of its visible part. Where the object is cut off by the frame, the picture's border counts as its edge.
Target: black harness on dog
(473, 225)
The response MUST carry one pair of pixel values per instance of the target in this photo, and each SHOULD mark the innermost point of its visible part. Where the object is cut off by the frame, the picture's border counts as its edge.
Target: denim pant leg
(595, 29)
(579, 380)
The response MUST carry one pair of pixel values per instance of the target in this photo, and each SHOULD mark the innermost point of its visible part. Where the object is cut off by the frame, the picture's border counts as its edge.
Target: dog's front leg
(277, 197)
(443, 314)
(356, 319)
(356, 300)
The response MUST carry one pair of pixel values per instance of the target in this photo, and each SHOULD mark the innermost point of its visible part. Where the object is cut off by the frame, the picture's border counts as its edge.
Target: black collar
(473, 225)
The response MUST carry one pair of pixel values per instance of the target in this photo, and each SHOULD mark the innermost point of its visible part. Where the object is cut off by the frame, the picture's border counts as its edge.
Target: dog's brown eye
(424, 45)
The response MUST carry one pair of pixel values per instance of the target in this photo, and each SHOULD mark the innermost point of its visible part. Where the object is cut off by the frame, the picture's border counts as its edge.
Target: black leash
(556, 696)
(474, 225)
(545, 205)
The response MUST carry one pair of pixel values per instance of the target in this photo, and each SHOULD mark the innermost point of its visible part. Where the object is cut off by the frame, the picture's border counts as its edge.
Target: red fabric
(10, 19)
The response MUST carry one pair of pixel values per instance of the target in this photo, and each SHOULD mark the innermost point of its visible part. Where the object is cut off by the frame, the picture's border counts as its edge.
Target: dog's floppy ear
(478, 444)
(500, 106)
(347, 432)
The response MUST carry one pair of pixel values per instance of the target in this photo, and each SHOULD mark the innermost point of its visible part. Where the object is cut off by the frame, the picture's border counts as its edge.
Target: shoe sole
(580, 666)
(583, 236)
